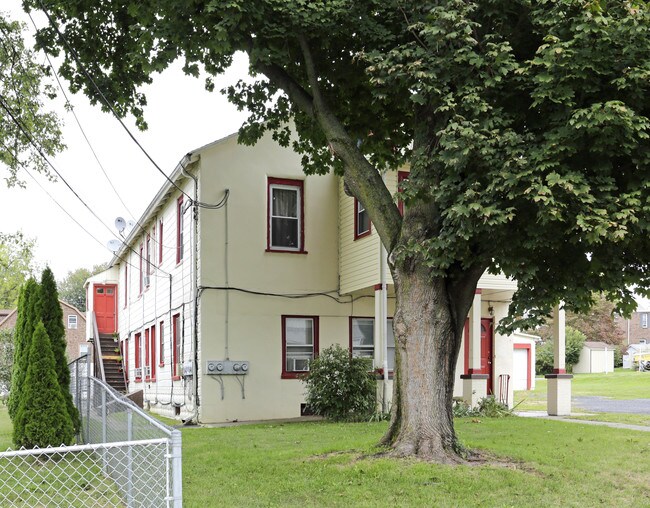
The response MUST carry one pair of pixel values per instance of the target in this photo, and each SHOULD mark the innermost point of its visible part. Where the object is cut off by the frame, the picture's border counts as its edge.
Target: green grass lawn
(542, 463)
(547, 463)
(621, 384)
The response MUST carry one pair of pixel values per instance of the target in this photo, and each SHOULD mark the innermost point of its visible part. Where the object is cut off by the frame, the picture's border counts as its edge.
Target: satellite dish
(114, 245)
(130, 224)
(120, 224)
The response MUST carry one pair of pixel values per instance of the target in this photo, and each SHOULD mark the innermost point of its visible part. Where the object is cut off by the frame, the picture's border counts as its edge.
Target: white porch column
(558, 397)
(474, 382)
(380, 339)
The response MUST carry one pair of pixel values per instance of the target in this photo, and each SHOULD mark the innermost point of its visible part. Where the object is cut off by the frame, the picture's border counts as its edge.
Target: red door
(105, 306)
(487, 335)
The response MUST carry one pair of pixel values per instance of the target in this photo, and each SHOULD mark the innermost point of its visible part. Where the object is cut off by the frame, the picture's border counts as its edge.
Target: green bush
(340, 387)
(487, 407)
(42, 417)
(575, 340)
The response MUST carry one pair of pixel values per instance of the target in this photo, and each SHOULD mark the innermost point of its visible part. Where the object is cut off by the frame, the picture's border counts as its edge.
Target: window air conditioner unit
(138, 372)
(299, 364)
(147, 280)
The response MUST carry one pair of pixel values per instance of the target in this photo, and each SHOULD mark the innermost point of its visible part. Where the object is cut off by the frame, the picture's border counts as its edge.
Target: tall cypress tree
(28, 312)
(53, 321)
(42, 418)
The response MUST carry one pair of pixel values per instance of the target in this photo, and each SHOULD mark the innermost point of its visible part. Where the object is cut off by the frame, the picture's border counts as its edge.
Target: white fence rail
(127, 459)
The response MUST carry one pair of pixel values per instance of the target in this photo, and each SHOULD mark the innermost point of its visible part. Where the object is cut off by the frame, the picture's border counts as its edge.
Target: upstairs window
(285, 215)
(147, 279)
(361, 220)
(299, 344)
(179, 230)
(160, 242)
(644, 320)
(72, 322)
(141, 276)
(401, 176)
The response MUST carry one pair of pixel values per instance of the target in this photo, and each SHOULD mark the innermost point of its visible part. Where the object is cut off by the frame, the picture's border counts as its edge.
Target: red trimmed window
(147, 279)
(362, 339)
(161, 344)
(141, 277)
(285, 216)
(401, 176)
(160, 242)
(299, 344)
(176, 346)
(147, 356)
(152, 354)
(138, 366)
(362, 225)
(179, 230)
(126, 284)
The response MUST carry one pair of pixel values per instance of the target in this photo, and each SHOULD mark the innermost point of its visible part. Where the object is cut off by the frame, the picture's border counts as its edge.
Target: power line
(105, 100)
(119, 119)
(49, 163)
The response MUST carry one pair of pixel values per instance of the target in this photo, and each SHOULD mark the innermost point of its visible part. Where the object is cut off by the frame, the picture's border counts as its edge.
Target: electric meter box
(226, 367)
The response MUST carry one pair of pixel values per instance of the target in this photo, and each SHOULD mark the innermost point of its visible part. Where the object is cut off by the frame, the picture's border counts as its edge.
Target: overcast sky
(181, 116)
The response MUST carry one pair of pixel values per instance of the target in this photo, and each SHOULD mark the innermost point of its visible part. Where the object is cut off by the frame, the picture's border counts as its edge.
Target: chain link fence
(127, 458)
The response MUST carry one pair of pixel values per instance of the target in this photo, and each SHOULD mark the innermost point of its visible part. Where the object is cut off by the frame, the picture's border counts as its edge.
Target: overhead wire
(90, 146)
(108, 104)
(56, 202)
(39, 150)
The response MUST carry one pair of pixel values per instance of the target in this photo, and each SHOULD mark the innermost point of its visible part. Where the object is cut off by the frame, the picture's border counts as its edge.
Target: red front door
(487, 334)
(105, 306)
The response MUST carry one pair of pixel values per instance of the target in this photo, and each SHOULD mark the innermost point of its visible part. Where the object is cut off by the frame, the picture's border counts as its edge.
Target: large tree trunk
(427, 341)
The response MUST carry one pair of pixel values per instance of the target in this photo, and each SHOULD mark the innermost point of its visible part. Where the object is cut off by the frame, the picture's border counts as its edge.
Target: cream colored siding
(359, 259)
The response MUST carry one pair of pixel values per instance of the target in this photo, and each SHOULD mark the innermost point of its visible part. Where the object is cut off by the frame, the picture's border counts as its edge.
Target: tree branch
(363, 179)
(280, 78)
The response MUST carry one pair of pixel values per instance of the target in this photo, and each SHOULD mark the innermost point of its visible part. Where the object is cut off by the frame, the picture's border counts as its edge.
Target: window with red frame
(148, 260)
(285, 215)
(179, 230)
(160, 242)
(176, 346)
(362, 339)
(299, 344)
(141, 273)
(152, 352)
(401, 176)
(137, 363)
(161, 344)
(361, 220)
(147, 356)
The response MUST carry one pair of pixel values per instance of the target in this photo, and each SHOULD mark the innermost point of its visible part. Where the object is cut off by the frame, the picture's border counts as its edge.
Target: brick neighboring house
(74, 322)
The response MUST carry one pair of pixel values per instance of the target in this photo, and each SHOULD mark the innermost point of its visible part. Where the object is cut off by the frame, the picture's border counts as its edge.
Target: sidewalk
(544, 415)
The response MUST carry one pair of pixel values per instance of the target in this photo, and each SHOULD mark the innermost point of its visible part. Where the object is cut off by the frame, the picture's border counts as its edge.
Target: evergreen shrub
(42, 418)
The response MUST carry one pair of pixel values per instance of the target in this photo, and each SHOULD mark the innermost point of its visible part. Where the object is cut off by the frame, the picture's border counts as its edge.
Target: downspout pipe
(195, 284)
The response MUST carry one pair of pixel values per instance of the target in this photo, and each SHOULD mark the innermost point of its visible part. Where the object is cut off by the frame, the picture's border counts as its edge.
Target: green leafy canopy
(524, 124)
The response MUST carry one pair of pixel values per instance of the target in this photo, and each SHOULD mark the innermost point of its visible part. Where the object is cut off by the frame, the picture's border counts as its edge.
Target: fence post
(129, 458)
(89, 397)
(177, 469)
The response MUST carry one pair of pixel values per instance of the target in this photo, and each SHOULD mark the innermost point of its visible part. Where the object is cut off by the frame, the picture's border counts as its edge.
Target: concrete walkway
(544, 415)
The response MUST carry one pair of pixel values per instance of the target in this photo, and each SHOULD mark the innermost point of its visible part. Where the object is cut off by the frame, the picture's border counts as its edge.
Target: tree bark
(427, 341)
